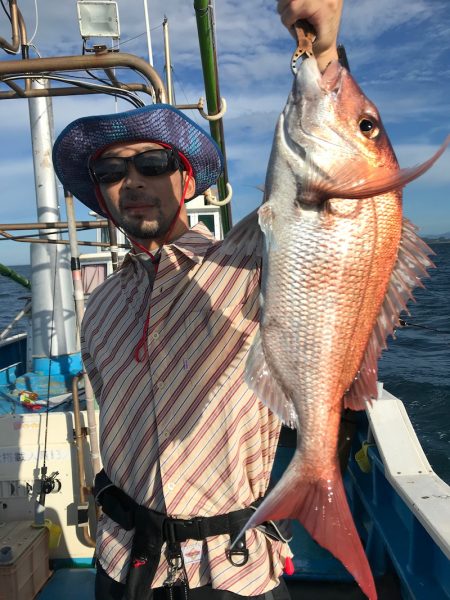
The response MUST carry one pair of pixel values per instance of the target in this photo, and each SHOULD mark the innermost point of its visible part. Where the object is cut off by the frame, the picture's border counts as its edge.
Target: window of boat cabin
(211, 220)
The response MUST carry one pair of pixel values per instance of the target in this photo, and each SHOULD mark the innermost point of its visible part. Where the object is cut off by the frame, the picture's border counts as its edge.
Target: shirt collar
(194, 244)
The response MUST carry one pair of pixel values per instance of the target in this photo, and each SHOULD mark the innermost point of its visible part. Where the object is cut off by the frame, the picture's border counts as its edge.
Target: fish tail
(321, 507)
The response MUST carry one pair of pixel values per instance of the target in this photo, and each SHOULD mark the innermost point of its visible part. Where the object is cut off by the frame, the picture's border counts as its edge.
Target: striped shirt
(180, 431)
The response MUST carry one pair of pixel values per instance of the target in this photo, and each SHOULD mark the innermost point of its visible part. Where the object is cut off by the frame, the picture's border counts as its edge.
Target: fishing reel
(49, 484)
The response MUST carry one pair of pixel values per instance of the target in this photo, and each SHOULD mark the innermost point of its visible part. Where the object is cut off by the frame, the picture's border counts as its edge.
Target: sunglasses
(150, 163)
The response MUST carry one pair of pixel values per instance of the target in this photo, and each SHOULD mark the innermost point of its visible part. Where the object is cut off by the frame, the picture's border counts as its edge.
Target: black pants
(107, 588)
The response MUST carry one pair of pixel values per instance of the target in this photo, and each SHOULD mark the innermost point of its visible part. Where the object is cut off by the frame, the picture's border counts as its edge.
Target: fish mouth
(301, 132)
(302, 114)
(311, 92)
(310, 82)
(332, 77)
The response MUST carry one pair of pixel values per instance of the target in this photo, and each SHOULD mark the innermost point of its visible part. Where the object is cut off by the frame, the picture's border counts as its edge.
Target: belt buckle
(239, 550)
(193, 527)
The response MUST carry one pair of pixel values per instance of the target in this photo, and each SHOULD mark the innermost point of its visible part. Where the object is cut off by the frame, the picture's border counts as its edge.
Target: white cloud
(366, 19)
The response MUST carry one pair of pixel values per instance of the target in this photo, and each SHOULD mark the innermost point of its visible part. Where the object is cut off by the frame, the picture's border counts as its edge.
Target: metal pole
(75, 263)
(168, 62)
(53, 312)
(56, 225)
(19, 315)
(39, 66)
(113, 248)
(205, 28)
(30, 240)
(79, 304)
(149, 38)
(13, 46)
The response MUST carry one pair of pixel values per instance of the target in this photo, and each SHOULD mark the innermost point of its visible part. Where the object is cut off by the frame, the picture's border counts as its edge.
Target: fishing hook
(306, 36)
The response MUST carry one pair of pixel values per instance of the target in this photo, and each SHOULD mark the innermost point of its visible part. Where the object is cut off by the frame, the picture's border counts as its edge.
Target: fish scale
(318, 291)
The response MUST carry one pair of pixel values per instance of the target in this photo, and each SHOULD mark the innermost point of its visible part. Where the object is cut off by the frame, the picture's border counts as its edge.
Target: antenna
(168, 62)
(149, 38)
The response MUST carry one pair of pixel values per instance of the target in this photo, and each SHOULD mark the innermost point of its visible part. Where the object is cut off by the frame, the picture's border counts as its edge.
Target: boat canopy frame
(29, 69)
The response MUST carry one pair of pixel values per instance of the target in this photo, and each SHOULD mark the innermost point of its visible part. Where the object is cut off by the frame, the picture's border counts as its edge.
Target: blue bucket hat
(157, 123)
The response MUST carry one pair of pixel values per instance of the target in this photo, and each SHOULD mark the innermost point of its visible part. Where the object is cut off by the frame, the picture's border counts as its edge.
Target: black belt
(153, 529)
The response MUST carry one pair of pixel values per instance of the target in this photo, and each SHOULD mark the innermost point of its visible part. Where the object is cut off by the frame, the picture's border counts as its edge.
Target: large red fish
(339, 266)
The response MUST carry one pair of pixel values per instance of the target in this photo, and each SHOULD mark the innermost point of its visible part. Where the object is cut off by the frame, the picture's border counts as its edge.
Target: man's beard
(141, 228)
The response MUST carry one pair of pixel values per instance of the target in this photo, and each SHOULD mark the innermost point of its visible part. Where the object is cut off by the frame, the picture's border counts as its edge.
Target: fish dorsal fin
(411, 265)
(245, 236)
(261, 381)
(351, 185)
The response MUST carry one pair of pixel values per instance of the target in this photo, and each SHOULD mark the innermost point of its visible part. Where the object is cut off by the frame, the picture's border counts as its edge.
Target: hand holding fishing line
(323, 19)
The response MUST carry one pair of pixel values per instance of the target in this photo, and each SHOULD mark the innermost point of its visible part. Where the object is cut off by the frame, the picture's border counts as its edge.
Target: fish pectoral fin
(261, 381)
(245, 236)
(352, 185)
(266, 217)
(411, 265)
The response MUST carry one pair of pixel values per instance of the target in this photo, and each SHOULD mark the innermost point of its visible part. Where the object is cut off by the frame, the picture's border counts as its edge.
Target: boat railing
(22, 313)
(13, 339)
(400, 504)
(407, 468)
(85, 490)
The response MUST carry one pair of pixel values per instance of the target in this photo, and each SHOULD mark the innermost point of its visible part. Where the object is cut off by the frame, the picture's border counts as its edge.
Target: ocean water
(415, 368)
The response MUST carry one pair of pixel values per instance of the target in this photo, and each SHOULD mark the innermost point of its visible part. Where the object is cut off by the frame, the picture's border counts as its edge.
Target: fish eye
(369, 127)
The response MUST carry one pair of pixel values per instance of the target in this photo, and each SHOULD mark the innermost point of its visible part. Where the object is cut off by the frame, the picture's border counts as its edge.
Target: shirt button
(155, 335)
(161, 385)
(171, 487)
(166, 434)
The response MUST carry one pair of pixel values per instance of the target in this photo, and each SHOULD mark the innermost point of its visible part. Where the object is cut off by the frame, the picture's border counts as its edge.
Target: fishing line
(135, 37)
(403, 323)
(194, 116)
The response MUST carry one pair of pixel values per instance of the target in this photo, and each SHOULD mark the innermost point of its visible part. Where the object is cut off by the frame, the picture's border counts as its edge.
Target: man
(164, 341)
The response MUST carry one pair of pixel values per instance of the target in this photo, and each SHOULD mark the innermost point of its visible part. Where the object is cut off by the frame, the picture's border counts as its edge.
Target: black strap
(152, 529)
(145, 553)
(200, 528)
(123, 510)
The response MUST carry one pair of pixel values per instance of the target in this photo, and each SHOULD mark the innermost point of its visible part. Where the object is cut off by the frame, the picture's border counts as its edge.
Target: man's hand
(324, 16)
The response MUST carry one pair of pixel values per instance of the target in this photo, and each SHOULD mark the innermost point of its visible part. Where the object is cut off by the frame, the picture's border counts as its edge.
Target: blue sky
(399, 52)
